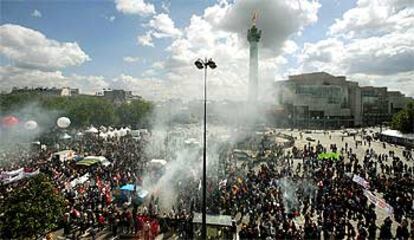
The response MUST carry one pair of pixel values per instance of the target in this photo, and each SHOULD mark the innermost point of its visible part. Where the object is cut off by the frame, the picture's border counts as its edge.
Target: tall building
(253, 36)
(320, 99)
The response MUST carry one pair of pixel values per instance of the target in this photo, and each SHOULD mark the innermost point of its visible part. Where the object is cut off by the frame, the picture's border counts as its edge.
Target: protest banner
(379, 202)
(361, 181)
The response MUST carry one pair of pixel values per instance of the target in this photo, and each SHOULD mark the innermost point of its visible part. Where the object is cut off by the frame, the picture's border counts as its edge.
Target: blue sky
(108, 33)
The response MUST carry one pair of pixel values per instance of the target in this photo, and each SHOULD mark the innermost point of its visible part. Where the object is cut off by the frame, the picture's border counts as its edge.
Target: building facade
(63, 92)
(117, 96)
(319, 99)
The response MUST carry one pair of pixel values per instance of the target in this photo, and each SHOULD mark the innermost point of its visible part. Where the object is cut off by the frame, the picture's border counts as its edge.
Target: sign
(379, 202)
(361, 181)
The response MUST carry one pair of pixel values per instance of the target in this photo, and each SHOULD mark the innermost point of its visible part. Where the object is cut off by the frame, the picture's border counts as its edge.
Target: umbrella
(128, 187)
(10, 121)
(142, 193)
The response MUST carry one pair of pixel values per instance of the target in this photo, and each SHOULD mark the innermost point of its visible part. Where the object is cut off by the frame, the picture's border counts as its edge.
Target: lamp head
(199, 63)
(211, 64)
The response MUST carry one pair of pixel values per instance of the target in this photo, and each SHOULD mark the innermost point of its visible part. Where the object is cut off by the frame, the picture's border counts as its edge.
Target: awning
(91, 160)
(329, 155)
(87, 162)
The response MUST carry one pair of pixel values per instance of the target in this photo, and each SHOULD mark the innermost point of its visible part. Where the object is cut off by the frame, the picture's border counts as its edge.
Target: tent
(91, 160)
(64, 155)
(329, 155)
(87, 162)
(158, 162)
(141, 193)
(92, 130)
(65, 136)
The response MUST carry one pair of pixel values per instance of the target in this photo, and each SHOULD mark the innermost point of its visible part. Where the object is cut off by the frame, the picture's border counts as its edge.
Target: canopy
(329, 155)
(65, 136)
(10, 121)
(65, 155)
(142, 193)
(91, 160)
(128, 187)
(158, 162)
(87, 162)
(92, 130)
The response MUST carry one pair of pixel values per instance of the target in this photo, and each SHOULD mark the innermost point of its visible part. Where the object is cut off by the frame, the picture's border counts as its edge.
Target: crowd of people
(92, 205)
(283, 195)
(318, 199)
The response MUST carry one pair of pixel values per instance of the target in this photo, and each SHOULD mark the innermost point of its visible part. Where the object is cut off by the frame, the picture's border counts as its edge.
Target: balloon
(10, 121)
(63, 122)
(30, 125)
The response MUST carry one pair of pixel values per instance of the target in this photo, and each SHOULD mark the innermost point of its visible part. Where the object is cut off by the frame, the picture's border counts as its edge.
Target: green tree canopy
(31, 210)
(82, 110)
(403, 121)
(135, 113)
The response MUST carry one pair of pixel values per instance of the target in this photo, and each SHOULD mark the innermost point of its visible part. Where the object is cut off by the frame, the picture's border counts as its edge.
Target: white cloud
(277, 19)
(20, 77)
(372, 43)
(36, 13)
(28, 48)
(220, 32)
(385, 55)
(160, 26)
(375, 17)
(150, 88)
(146, 39)
(163, 26)
(289, 47)
(139, 7)
(130, 59)
(111, 18)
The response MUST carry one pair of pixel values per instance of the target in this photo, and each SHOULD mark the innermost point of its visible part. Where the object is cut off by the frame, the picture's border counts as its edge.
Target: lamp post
(204, 64)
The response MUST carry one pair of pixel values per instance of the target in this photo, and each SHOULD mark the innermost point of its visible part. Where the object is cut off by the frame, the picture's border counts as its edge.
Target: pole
(204, 222)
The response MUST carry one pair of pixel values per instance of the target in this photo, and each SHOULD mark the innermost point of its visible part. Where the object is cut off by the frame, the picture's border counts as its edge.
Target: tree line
(81, 110)
(403, 121)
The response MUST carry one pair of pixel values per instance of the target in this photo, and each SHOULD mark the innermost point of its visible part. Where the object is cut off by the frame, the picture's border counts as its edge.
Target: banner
(9, 174)
(79, 180)
(361, 181)
(379, 202)
(31, 174)
(17, 175)
(222, 184)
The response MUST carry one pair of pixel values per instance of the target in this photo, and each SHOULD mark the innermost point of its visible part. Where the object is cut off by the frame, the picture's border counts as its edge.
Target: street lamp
(204, 64)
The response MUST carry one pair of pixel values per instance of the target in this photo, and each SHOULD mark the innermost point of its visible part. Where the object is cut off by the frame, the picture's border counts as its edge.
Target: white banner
(79, 180)
(222, 183)
(379, 202)
(18, 175)
(361, 181)
(8, 174)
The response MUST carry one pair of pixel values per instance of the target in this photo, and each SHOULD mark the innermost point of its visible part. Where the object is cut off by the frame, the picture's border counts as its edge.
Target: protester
(270, 197)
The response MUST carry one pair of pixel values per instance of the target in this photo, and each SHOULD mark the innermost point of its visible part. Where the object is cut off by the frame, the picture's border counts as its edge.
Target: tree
(135, 112)
(31, 210)
(82, 110)
(403, 121)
